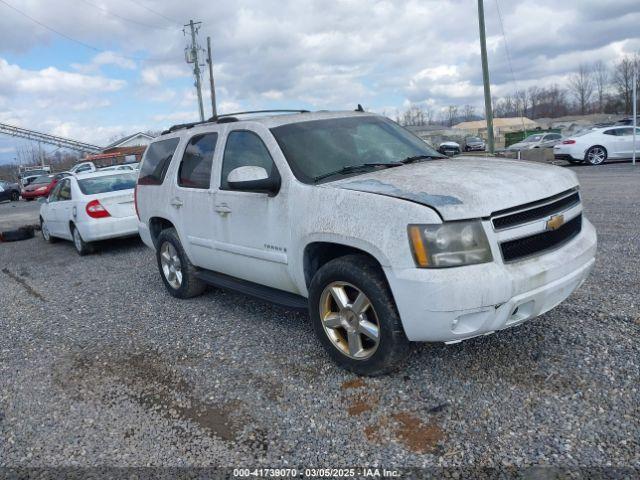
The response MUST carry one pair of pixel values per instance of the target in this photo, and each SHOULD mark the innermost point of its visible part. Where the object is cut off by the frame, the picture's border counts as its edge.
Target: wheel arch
(157, 225)
(320, 252)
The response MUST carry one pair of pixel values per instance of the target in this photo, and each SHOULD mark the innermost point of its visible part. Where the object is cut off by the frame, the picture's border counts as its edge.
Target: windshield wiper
(420, 157)
(362, 167)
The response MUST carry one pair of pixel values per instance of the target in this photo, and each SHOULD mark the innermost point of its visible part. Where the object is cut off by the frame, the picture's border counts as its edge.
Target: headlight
(449, 244)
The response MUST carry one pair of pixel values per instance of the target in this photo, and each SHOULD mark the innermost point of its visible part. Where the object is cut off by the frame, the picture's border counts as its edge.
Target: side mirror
(253, 179)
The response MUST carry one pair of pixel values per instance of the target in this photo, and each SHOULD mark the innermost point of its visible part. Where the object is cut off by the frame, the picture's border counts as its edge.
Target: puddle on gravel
(157, 388)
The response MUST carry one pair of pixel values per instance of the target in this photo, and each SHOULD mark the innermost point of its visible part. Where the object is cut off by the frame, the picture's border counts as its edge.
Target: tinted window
(625, 131)
(614, 132)
(195, 168)
(65, 190)
(108, 183)
(244, 149)
(156, 161)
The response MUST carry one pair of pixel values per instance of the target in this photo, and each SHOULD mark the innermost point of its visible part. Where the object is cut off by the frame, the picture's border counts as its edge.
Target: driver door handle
(222, 208)
(176, 202)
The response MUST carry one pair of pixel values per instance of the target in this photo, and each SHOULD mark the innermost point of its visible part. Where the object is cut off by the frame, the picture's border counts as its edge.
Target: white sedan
(596, 146)
(89, 207)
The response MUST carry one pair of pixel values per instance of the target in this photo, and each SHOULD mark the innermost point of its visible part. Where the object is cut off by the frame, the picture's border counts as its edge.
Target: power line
(86, 45)
(155, 12)
(108, 12)
(75, 40)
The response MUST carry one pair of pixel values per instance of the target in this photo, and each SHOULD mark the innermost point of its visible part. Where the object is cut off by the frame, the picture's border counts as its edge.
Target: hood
(465, 187)
(31, 187)
(450, 144)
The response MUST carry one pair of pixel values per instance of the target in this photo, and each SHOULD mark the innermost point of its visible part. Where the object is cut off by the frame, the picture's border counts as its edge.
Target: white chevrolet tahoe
(384, 240)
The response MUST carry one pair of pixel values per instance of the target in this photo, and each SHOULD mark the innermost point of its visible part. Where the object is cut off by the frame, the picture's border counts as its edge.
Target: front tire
(45, 232)
(177, 272)
(596, 155)
(82, 247)
(355, 317)
(15, 196)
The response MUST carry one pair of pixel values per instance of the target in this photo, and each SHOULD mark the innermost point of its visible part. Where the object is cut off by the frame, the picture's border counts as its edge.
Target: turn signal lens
(417, 246)
(568, 142)
(95, 210)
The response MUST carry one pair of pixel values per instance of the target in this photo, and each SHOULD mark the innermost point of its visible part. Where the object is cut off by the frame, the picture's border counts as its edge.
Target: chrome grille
(534, 211)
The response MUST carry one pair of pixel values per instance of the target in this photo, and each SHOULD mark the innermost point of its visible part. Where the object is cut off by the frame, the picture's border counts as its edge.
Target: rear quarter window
(156, 161)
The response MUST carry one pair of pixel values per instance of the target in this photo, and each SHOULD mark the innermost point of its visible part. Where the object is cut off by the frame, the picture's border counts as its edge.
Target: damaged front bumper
(454, 304)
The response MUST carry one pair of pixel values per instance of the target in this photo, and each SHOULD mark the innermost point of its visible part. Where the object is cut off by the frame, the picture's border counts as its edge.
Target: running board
(273, 295)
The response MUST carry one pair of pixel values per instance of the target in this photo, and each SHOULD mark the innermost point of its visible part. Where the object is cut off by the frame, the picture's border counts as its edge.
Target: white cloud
(105, 58)
(50, 80)
(155, 75)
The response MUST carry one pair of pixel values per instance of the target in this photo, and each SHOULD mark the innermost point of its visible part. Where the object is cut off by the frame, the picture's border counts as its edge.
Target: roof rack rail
(248, 112)
(225, 118)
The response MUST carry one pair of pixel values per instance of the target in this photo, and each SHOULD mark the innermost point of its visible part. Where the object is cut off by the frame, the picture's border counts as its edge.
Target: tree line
(593, 88)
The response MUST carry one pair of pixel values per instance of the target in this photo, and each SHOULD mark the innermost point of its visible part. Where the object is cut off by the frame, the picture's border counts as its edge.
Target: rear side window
(107, 183)
(195, 167)
(614, 132)
(244, 148)
(156, 161)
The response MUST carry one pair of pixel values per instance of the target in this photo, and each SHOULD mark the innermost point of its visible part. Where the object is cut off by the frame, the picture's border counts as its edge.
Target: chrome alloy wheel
(596, 155)
(171, 266)
(349, 320)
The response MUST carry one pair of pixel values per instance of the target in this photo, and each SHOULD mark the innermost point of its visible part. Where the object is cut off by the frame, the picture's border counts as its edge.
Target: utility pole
(485, 77)
(214, 111)
(635, 108)
(191, 55)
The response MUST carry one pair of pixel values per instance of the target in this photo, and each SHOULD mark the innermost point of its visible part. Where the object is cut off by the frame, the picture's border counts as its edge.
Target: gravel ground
(100, 366)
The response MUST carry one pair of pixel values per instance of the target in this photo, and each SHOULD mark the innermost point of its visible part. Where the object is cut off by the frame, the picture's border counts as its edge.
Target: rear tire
(177, 272)
(82, 247)
(596, 155)
(355, 317)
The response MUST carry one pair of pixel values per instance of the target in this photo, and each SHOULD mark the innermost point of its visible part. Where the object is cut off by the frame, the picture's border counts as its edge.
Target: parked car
(88, 207)
(449, 148)
(116, 167)
(384, 240)
(596, 146)
(474, 144)
(9, 191)
(39, 187)
(28, 176)
(538, 140)
(83, 167)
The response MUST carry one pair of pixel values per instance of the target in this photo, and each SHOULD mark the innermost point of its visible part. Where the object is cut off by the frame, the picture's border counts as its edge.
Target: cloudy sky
(117, 66)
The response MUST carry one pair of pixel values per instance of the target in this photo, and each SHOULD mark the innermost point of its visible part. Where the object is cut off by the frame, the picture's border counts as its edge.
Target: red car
(40, 187)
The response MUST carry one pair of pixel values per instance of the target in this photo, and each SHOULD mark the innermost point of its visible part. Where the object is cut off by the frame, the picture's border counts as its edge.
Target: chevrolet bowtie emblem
(555, 222)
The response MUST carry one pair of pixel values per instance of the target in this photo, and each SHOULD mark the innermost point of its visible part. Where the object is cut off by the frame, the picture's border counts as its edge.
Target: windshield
(109, 183)
(318, 147)
(532, 138)
(474, 139)
(42, 180)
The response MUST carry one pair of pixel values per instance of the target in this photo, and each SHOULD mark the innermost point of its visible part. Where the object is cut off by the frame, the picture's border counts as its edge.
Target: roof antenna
(359, 109)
